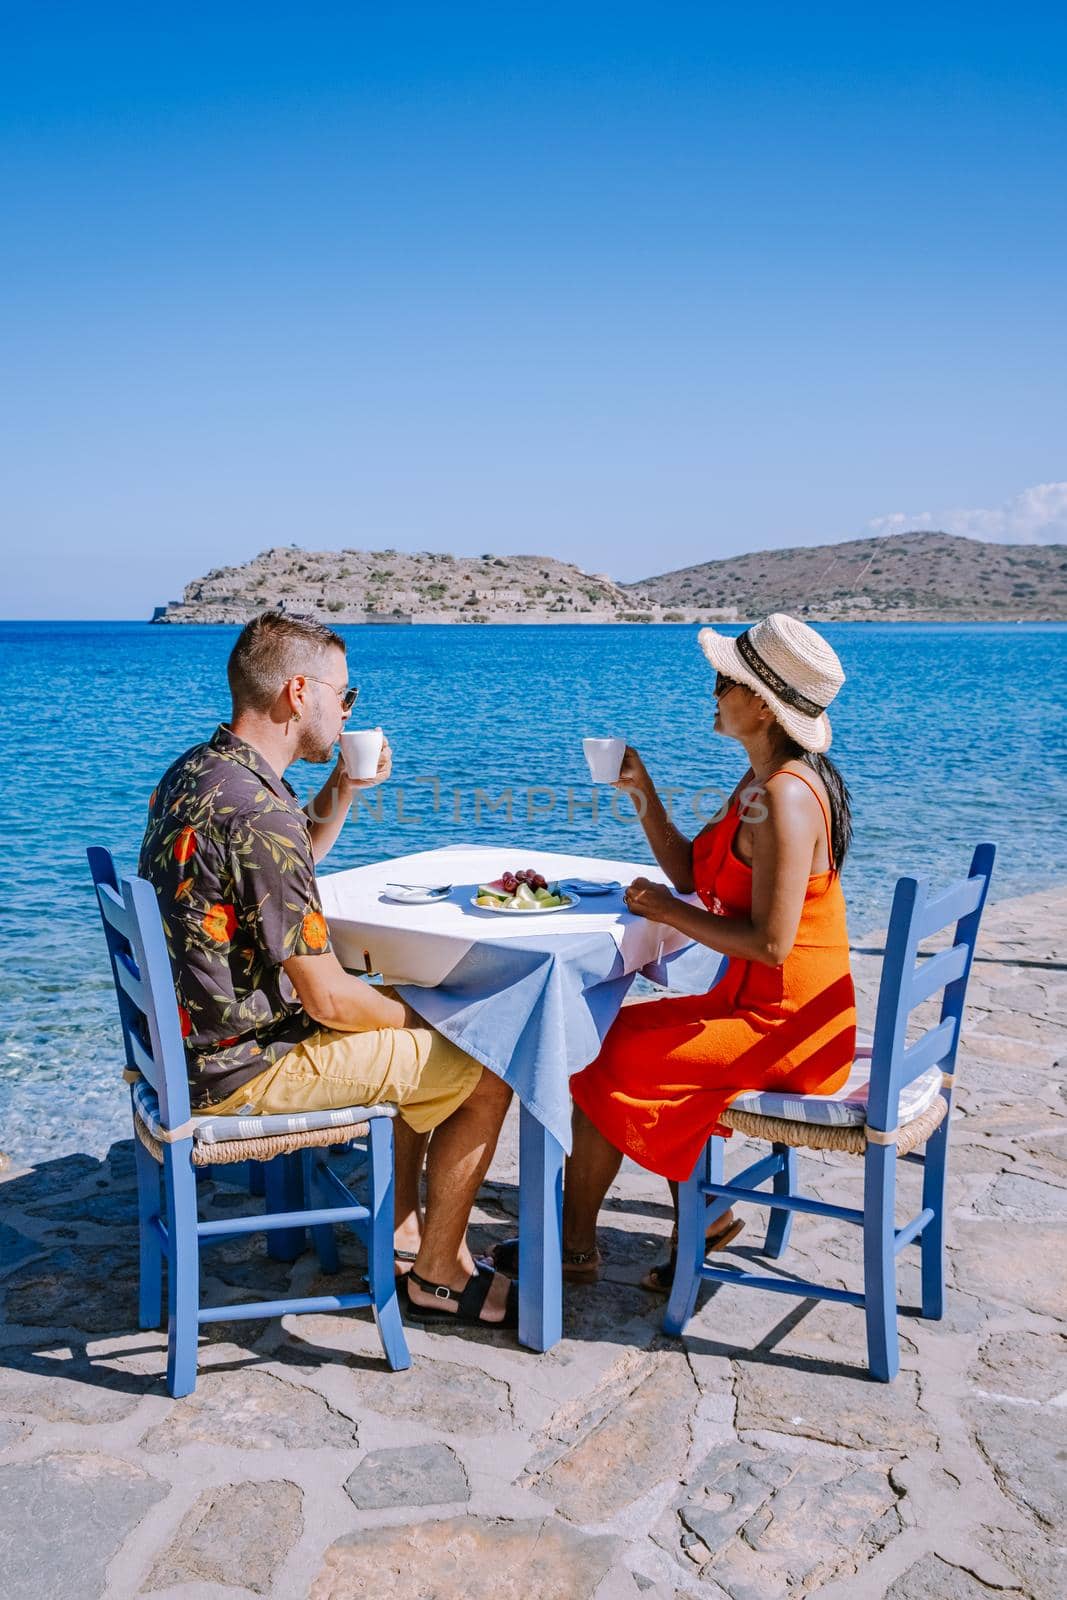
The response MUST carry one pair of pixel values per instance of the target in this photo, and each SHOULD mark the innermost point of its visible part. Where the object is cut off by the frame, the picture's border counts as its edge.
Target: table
(529, 997)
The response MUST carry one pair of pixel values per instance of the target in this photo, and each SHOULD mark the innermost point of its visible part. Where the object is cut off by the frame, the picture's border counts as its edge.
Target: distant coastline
(910, 577)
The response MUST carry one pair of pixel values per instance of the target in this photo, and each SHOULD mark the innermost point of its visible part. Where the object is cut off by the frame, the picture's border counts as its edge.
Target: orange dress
(668, 1069)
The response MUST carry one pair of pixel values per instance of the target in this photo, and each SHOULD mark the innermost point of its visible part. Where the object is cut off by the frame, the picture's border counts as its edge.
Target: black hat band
(785, 691)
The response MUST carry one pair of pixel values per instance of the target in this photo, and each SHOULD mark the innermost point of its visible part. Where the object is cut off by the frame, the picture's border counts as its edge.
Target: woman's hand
(653, 901)
(633, 774)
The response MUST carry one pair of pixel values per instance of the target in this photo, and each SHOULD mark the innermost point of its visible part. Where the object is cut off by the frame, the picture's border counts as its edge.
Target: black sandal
(579, 1266)
(470, 1300)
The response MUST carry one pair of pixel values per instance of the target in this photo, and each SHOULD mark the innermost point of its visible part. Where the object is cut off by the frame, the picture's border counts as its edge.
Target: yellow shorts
(418, 1069)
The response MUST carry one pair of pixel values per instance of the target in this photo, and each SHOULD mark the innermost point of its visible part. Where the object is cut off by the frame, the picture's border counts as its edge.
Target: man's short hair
(271, 649)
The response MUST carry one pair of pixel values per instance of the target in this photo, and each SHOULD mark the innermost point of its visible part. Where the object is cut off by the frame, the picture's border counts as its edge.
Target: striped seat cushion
(218, 1130)
(847, 1106)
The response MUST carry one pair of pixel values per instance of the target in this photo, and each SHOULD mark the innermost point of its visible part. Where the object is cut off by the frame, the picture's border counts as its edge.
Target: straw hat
(788, 665)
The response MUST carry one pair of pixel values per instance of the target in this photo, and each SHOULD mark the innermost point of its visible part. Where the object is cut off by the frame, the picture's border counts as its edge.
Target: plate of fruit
(524, 893)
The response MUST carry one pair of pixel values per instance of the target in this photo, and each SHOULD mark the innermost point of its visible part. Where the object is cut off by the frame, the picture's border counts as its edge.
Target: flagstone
(440, 1395)
(61, 1385)
(250, 1410)
(415, 1475)
(1020, 1197)
(811, 1402)
(642, 1438)
(1024, 1365)
(65, 1515)
(1039, 1565)
(1012, 1264)
(762, 1522)
(1027, 1448)
(467, 1558)
(237, 1534)
(931, 1578)
(92, 1288)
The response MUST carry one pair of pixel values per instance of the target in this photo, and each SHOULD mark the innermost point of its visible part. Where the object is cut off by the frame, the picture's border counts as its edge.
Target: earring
(295, 717)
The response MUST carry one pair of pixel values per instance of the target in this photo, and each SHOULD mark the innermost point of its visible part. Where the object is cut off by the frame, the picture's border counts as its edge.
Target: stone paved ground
(754, 1461)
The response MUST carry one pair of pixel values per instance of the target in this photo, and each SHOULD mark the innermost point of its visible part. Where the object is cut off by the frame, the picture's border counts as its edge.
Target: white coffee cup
(361, 751)
(605, 758)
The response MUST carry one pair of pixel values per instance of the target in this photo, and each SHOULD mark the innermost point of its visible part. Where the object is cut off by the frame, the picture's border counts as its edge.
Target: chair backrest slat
(931, 1050)
(113, 911)
(907, 982)
(144, 984)
(127, 975)
(142, 1059)
(950, 906)
(936, 972)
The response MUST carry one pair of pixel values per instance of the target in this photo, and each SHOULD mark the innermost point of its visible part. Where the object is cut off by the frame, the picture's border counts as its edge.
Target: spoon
(423, 888)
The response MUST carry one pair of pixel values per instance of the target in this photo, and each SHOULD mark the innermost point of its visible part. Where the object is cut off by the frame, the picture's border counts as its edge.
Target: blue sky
(637, 286)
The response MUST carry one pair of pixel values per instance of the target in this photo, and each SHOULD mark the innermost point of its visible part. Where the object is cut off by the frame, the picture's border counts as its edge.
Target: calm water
(947, 734)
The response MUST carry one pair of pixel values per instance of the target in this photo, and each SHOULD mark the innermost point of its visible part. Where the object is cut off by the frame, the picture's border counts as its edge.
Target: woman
(768, 876)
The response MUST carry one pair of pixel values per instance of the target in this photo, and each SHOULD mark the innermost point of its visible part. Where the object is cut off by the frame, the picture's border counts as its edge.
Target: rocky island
(920, 577)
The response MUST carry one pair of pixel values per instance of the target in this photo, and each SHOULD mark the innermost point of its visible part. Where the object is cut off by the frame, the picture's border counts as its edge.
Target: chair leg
(692, 1214)
(183, 1269)
(784, 1182)
(380, 1249)
(932, 1241)
(149, 1197)
(880, 1262)
(283, 1180)
(322, 1233)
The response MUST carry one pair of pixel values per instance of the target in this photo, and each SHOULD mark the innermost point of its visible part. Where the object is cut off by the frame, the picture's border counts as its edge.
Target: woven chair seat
(847, 1105)
(217, 1140)
(851, 1138)
(208, 1128)
(262, 1149)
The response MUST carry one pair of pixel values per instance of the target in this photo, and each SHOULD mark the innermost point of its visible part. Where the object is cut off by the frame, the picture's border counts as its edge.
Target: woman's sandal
(660, 1278)
(579, 1266)
(469, 1301)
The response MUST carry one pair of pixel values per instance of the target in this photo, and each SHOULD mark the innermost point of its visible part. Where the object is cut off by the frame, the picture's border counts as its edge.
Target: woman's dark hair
(840, 799)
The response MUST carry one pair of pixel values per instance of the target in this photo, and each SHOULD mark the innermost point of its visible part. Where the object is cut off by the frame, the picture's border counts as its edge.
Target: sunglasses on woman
(723, 684)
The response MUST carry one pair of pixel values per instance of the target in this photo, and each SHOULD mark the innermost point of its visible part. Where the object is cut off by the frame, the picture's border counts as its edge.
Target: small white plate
(526, 911)
(415, 896)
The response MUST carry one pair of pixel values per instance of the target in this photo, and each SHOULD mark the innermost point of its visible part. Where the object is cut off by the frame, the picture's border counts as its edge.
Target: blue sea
(947, 734)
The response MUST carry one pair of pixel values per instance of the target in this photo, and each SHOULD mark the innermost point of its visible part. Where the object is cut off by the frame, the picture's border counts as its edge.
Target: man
(271, 1020)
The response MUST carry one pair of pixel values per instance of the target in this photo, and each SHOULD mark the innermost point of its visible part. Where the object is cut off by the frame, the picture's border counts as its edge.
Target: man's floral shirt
(228, 850)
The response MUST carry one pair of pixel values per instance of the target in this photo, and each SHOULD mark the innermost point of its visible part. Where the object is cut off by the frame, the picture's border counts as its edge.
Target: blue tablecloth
(535, 1010)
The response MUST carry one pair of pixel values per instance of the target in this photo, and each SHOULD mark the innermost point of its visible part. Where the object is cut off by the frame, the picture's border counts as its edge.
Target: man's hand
(385, 769)
(654, 901)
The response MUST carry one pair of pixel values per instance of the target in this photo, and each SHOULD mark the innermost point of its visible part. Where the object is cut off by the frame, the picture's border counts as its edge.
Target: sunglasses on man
(348, 697)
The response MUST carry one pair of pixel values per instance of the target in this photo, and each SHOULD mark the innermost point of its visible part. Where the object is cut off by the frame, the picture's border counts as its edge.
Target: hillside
(390, 586)
(916, 576)
(923, 576)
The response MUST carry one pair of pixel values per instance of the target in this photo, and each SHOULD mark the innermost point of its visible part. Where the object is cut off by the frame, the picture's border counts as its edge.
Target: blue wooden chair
(172, 1145)
(903, 1114)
